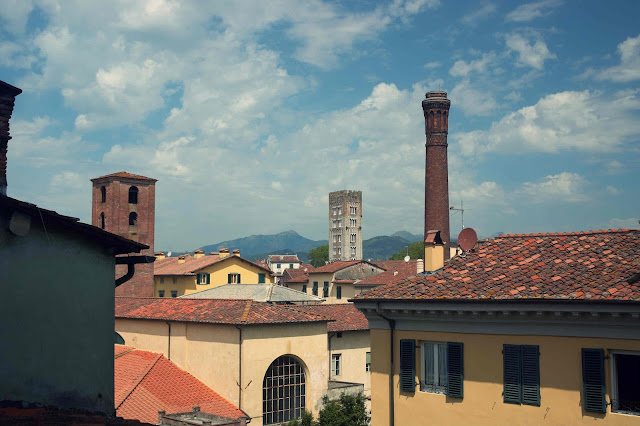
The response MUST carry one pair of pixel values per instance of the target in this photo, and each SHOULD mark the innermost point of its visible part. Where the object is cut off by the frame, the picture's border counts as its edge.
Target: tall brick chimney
(8, 95)
(436, 178)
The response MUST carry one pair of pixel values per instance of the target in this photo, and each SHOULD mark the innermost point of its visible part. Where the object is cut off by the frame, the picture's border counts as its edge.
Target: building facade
(124, 204)
(345, 225)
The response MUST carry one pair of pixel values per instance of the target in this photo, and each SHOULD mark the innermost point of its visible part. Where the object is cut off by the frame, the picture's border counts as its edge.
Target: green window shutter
(229, 279)
(239, 279)
(325, 289)
(261, 279)
(512, 392)
(304, 288)
(339, 292)
(530, 356)
(593, 381)
(455, 370)
(407, 365)
(208, 278)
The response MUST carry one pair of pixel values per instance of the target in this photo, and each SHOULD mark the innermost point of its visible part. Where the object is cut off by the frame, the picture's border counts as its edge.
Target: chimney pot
(159, 255)
(197, 254)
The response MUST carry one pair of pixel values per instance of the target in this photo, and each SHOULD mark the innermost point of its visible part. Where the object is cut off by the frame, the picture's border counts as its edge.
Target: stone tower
(436, 179)
(125, 204)
(345, 225)
(8, 95)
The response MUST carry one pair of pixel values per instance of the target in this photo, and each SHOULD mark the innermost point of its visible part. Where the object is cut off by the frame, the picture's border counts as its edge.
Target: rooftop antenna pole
(461, 210)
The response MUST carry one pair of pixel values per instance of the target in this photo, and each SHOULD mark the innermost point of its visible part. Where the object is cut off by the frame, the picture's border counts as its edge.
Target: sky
(250, 112)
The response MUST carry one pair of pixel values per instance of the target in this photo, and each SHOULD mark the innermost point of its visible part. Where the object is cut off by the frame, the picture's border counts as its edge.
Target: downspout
(169, 341)
(392, 326)
(240, 368)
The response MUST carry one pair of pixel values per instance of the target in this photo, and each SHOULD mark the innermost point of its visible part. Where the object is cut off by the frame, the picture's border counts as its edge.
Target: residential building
(147, 383)
(186, 274)
(269, 360)
(522, 329)
(395, 270)
(278, 263)
(124, 204)
(334, 282)
(345, 225)
(267, 293)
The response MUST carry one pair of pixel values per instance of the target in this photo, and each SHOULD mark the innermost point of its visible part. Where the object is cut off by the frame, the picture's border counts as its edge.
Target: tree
(319, 255)
(350, 410)
(416, 251)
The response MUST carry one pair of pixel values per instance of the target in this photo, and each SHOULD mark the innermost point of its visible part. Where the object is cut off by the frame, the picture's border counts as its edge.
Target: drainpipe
(131, 261)
(240, 368)
(169, 341)
(392, 326)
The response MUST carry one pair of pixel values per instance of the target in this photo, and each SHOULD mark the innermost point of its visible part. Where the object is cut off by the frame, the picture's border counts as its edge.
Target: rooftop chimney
(433, 248)
(159, 255)
(198, 254)
(436, 178)
(236, 252)
(224, 252)
(8, 95)
(182, 259)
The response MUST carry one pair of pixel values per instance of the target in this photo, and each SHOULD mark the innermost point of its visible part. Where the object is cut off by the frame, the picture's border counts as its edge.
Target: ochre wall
(353, 345)
(211, 353)
(186, 284)
(560, 382)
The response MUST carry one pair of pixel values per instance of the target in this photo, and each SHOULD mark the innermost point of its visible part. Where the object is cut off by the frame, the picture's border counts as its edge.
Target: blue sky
(249, 112)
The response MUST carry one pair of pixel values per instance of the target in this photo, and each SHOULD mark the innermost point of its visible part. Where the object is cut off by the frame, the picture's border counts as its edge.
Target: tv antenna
(461, 210)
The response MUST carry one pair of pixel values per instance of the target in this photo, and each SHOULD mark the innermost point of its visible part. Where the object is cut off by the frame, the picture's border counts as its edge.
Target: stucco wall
(57, 319)
(186, 284)
(353, 346)
(211, 353)
(560, 382)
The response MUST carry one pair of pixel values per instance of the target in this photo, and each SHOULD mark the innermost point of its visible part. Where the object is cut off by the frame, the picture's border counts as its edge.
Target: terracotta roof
(593, 265)
(283, 258)
(343, 281)
(396, 271)
(51, 220)
(171, 265)
(336, 266)
(125, 175)
(213, 311)
(345, 316)
(147, 382)
(295, 276)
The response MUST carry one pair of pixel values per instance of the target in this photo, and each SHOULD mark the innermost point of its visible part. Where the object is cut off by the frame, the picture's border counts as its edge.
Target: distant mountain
(407, 236)
(381, 248)
(290, 242)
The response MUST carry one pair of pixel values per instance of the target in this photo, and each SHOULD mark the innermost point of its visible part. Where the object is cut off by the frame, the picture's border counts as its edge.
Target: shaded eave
(13, 90)
(226, 322)
(497, 301)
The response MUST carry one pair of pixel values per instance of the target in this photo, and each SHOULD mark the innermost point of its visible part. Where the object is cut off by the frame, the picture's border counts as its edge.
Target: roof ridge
(567, 234)
(247, 309)
(123, 353)
(137, 383)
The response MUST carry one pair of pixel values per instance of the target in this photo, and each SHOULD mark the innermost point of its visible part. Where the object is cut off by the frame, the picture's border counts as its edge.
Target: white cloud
(486, 10)
(531, 53)
(432, 65)
(471, 100)
(613, 190)
(14, 15)
(14, 55)
(462, 68)
(563, 187)
(530, 11)
(629, 67)
(584, 121)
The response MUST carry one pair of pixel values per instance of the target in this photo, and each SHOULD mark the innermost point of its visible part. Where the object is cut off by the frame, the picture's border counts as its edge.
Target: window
(442, 367)
(335, 364)
(314, 290)
(160, 293)
(339, 238)
(279, 266)
(175, 280)
(103, 194)
(291, 266)
(353, 250)
(261, 278)
(133, 219)
(133, 195)
(353, 238)
(338, 292)
(102, 220)
(367, 365)
(283, 391)
(334, 223)
(339, 334)
(161, 280)
(625, 393)
(521, 367)
(203, 278)
(325, 289)
(352, 222)
(339, 251)
(174, 293)
(233, 279)
(339, 209)
(304, 288)
(353, 210)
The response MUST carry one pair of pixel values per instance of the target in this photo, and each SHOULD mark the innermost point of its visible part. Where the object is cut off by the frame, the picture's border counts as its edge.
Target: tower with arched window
(124, 204)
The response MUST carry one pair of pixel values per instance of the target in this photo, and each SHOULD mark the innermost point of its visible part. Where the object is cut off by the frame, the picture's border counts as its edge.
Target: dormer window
(133, 195)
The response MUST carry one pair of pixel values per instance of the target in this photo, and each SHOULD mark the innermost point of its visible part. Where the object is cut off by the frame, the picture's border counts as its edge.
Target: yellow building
(524, 329)
(177, 276)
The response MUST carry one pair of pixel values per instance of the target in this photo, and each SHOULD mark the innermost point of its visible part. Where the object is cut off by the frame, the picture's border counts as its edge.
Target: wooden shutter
(512, 392)
(238, 279)
(261, 278)
(407, 365)
(208, 278)
(530, 358)
(228, 278)
(593, 381)
(455, 370)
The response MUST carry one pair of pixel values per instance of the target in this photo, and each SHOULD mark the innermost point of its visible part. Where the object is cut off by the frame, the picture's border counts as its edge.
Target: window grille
(283, 391)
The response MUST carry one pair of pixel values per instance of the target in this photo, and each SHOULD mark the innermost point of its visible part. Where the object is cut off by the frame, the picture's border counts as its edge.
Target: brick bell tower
(436, 179)
(125, 204)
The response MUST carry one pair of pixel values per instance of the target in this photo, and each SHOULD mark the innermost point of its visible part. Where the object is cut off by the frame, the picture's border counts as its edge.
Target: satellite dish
(169, 254)
(407, 258)
(467, 239)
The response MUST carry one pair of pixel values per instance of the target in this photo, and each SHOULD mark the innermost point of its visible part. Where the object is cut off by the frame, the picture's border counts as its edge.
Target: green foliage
(319, 255)
(306, 420)
(416, 251)
(350, 410)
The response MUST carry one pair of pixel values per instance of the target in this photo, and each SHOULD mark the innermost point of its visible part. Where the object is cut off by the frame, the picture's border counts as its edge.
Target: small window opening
(627, 376)
(103, 194)
(102, 220)
(133, 219)
(133, 195)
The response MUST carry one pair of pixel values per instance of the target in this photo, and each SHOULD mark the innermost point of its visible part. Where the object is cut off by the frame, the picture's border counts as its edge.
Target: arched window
(133, 195)
(102, 220)
(283, 391)
(133, 218)
(103, 193)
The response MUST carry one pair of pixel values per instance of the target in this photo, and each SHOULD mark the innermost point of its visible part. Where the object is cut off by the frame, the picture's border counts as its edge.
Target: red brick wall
(436, 179)
(116, 209)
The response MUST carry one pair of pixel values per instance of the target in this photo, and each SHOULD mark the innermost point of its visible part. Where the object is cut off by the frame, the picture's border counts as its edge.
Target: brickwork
(345, 220)
(8, 95)
(436, 180)
(117, 209)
